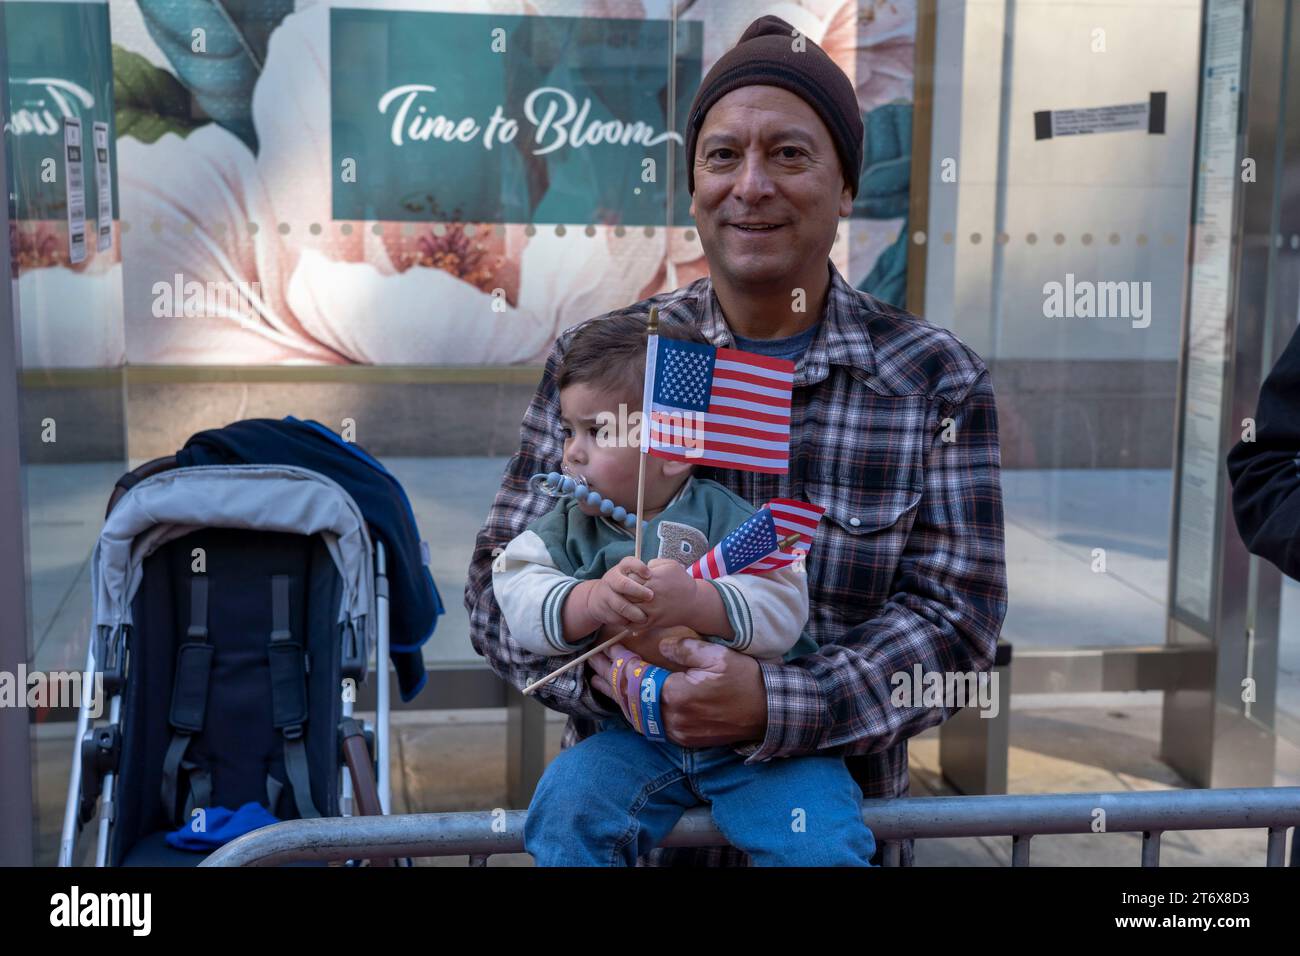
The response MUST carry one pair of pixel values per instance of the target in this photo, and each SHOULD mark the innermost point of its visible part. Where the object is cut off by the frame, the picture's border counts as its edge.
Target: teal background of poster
(67, 42)
(621, 66)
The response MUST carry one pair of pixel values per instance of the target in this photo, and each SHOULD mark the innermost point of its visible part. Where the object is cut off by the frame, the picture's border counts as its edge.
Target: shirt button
(855, 522)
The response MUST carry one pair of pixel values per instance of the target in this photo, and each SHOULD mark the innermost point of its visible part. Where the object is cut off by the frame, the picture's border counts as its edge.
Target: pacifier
(557, 485)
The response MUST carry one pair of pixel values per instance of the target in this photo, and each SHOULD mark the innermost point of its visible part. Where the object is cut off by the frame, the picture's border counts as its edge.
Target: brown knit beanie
(764, 57)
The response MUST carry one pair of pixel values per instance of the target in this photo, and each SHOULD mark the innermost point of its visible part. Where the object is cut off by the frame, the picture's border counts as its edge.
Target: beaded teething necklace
(557, 485)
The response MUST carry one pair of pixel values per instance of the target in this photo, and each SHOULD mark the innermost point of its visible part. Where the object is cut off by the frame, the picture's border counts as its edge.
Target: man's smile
(751, 229)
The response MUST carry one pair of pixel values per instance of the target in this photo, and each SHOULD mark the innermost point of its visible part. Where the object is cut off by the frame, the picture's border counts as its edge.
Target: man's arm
(949, 600)
(540, 449)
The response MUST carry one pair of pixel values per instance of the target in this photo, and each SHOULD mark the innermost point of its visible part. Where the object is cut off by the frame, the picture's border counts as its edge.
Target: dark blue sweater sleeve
(1265, 473)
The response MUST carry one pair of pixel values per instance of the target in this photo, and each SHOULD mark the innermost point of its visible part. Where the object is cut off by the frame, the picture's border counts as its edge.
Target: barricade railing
(1021, 817)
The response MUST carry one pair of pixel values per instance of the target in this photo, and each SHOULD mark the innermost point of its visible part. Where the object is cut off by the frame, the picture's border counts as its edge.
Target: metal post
(72, 805)
(108, 794)
(1218, 731)
(383, 676)
(1276, 853)
(973, 748)
(918, 194)
(525, 746)
(1020, 849)
(1150, 847)
(18, 846)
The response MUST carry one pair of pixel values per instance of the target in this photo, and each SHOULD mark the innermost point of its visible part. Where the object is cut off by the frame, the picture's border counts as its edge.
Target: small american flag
(753, 547)
(790, 517)
(719, 407)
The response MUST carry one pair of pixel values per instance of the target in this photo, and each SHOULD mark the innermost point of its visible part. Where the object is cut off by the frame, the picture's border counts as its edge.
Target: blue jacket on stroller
(267, 441)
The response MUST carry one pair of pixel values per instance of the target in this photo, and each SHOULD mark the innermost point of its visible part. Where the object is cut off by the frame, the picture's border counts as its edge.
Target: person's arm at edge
(1265, 473)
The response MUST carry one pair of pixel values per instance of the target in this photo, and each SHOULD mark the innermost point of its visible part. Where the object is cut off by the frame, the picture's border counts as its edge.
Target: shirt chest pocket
(859, 541)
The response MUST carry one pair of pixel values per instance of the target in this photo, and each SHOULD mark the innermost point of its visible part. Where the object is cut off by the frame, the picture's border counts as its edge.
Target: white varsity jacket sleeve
(767, 611)
(531, 590)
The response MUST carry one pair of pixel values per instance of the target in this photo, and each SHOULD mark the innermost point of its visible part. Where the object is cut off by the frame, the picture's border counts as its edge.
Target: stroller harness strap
(189, 706)
(288, 664)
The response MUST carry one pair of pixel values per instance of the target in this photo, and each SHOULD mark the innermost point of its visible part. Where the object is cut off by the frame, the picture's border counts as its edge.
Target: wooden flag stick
(575, 662)
(640, 501)
(652, 328)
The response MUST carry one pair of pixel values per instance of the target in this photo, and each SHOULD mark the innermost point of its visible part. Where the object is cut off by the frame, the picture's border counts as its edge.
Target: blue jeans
(614, 796)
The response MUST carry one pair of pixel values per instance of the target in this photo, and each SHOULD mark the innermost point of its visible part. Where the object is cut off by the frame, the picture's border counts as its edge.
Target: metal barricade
(480, 835)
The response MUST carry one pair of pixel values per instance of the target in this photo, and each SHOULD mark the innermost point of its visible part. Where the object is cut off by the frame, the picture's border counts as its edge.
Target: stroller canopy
(256, 497)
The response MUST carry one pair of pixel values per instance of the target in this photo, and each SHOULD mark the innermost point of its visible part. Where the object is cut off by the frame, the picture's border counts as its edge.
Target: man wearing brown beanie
(894, 433)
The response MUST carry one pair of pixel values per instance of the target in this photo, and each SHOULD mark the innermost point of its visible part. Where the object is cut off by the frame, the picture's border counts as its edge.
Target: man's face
(764, 158)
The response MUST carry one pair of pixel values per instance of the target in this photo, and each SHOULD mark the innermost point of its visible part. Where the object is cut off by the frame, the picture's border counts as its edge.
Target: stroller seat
(152, 849)
(231, 752)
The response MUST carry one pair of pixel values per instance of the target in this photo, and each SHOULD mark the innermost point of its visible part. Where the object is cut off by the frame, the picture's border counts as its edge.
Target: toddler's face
(609, 463)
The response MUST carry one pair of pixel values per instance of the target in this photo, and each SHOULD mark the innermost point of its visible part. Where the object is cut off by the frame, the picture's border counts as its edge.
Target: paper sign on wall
(105, 187)
(1149, 116)
(75, 177)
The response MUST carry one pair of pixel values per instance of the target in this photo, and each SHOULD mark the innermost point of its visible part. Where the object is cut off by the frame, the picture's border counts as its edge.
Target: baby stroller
(234, 606)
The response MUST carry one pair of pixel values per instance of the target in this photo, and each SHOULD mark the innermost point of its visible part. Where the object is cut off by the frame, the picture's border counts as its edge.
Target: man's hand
(645, 643)
(717, 697)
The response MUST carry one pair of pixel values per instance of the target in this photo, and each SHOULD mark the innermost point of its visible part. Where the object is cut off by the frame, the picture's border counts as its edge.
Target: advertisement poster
(390, 182)
(66, 261)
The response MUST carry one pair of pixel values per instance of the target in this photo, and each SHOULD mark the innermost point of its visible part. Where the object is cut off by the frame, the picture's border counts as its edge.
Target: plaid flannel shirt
(894, 431)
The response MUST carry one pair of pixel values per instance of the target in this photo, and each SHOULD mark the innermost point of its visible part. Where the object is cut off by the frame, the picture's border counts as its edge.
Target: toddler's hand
(674, 594)
(615, 598)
